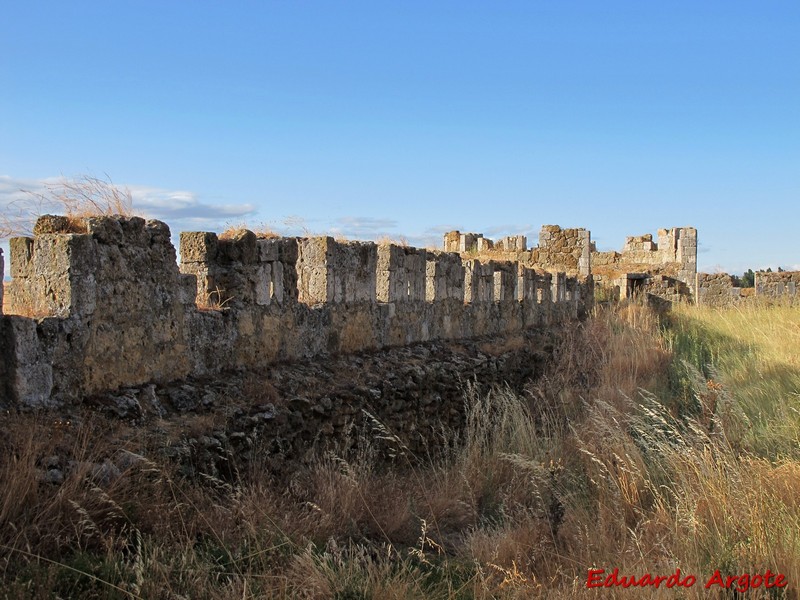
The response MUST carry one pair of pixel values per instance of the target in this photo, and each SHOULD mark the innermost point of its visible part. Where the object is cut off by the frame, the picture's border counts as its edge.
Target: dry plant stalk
(78, 198)
(214, 300)
(262, 231)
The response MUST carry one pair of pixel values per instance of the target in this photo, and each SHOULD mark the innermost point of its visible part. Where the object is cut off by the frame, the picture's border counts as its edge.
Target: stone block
(507, 291)
(278, 282)
(471, 277)
(82, 296)
(498, 292)
(483, 244)
(359, 261)
(21, 249)
(469, 242)
(198, 246)
(391, 286)
(159, 231)
(437, 279)
(106, 230)
(263, 285)
(239, 246)
(187, 294)
(133, 231)
(315, 252)
(452, 240)
(268, 250)
(80, 252)
(51, 224)
(34, 385)
(390, 257)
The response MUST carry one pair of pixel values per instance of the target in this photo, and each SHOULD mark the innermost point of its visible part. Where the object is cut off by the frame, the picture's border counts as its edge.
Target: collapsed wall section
(110, 308)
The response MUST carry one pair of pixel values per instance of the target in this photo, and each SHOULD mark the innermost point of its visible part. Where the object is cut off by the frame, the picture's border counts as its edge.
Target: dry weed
(77, 198)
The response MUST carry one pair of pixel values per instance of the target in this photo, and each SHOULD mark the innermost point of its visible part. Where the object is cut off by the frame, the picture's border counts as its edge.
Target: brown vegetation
(76, 199)
(621, 455)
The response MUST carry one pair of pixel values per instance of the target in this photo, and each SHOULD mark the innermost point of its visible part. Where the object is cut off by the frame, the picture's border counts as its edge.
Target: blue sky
(409, 119)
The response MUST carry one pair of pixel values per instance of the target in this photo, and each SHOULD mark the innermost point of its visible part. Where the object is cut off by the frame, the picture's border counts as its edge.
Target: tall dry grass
(750, 352)
(75, 198)
(619, 456)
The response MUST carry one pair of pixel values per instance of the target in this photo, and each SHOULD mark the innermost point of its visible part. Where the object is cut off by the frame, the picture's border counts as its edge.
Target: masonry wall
(719, 289)
(111, 308)
(777, 285)
(566, 250)
(94, 310)
(673, 256)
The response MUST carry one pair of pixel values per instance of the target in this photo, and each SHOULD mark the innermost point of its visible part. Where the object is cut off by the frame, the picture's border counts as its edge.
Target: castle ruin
(86, 313)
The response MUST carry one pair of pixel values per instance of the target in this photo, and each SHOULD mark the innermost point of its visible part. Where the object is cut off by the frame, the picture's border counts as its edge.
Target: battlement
(90, 312)
(559, 250)
(671, 262)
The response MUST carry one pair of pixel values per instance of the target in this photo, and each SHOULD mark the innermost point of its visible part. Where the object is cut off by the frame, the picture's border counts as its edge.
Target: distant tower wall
(566, 250)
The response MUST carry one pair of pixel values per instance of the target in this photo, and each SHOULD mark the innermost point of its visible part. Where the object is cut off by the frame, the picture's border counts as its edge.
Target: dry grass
(509, 344)
(216, 300)
(78, 198)
(586, 470)
(387, 240)
(262, 231)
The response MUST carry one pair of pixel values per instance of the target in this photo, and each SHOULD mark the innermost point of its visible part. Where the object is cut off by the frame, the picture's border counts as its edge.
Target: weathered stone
(51, 224)
(106, 230)
(198, 246)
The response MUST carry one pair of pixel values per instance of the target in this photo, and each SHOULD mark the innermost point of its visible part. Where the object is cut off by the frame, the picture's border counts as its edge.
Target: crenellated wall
(109, 308)
(669, 264)
(567, 250)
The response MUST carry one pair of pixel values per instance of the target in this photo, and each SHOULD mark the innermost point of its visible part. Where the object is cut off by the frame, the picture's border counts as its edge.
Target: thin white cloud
(183, 211)
(499, 231)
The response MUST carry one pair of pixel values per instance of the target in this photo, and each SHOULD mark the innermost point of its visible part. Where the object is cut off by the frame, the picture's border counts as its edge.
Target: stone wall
(720, 290)
(669, 265)
(94, 310)
(674, 256)
(111, 308)
(717, 289)
(567, 250)
(777, 285)
(665, 269)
